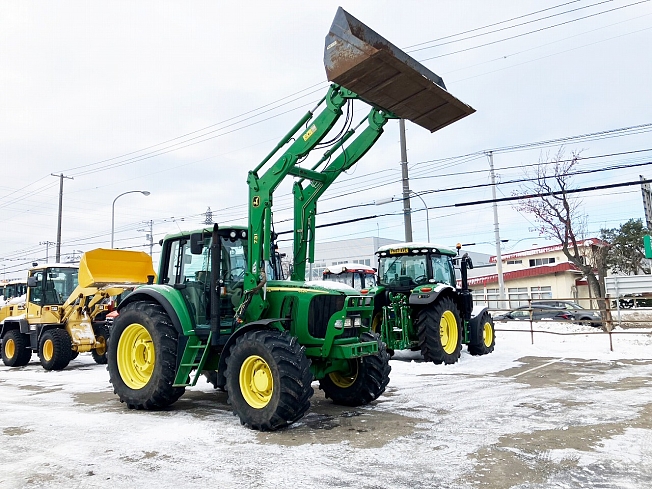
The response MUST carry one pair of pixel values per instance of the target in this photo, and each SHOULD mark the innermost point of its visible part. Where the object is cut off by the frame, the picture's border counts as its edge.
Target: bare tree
(558, 217)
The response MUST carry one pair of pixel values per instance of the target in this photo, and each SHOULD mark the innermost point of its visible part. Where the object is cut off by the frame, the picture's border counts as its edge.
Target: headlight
(338, 324)
(357, 322)
(347, 323)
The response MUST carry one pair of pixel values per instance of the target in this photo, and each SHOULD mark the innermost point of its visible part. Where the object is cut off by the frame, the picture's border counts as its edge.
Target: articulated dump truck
(63, 314)
(219, 306)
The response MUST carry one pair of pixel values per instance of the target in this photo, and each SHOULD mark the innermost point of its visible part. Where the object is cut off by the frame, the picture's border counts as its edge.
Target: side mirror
(196, 243)
(32, 282)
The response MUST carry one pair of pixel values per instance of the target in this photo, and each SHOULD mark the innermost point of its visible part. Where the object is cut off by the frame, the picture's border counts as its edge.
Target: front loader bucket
(382, 75)
(102, 268)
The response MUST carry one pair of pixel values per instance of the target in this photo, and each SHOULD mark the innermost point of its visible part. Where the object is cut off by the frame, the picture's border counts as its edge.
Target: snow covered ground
(565, 412)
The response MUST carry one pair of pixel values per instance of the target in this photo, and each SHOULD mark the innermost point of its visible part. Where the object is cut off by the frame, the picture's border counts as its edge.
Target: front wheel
(15, 349)
(268, 379)
(438, 328)
(364, 381)
(483, 336)
(55, 349)
(102, 337)
(142, 357)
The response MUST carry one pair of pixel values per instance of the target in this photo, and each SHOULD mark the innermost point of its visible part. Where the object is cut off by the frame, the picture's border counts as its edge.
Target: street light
(144, 192)
(412, 192)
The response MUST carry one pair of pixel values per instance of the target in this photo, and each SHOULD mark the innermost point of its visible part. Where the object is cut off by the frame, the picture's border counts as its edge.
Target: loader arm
(305, 197)
(362, 65)
(307, 133)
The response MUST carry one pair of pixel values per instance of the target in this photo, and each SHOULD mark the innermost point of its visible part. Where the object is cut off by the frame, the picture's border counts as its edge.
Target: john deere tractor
(219, 306)
(419, 307)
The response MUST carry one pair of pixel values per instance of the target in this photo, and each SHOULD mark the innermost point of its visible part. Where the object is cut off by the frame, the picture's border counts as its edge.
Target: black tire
(482, 336)
(16, 351)
(73, 354)
(102, 337)
(436, 330)
(142, 357)
(369, 380)
(283, 394)
(55, 349)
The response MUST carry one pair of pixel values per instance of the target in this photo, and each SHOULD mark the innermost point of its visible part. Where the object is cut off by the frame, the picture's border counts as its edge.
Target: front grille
(322, 307)
(350, 333)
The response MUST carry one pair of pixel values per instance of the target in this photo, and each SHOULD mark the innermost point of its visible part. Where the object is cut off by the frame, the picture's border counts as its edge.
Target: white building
(539, 273)
(358, 250)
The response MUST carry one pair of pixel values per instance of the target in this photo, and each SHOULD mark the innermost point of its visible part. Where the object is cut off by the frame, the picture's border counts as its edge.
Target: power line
(531, 32)
(506, 28)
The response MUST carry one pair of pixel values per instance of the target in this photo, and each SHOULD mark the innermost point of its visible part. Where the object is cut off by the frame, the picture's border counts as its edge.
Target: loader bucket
(102, 268)
(382, 75)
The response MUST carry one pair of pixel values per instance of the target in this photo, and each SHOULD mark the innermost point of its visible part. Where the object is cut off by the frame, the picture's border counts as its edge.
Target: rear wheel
(15, 349)
(268, 379)
(101, 337)
(142, 357)
(483, 336)
(438, 328)
(55, 349)
(364, 381)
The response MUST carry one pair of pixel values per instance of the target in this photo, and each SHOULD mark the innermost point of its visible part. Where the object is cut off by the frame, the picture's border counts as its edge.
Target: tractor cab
(404, 266)
(193, 264)
(354, 274)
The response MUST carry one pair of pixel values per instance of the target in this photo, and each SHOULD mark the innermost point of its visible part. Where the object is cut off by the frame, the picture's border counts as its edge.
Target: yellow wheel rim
(10, 348)
(101, 349)
(136, 356)
(48, 350)
(376, 323)
(488, 334)
(448, 332)
(344, 381)
(256, 382)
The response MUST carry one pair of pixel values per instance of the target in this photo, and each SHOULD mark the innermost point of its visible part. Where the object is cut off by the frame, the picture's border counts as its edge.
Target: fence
(569, 311)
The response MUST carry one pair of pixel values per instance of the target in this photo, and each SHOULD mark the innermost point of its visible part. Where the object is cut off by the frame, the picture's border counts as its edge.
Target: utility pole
(647, 202)
(61, 177)
(149, 235)
(407, 218)
(47, 245)
(499, 260)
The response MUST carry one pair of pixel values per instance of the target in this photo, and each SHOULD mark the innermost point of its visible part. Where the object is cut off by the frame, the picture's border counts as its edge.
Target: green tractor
(220, 307)
(419, 307)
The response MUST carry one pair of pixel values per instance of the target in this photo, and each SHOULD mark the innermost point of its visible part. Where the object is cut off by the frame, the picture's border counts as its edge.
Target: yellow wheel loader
(65, 307)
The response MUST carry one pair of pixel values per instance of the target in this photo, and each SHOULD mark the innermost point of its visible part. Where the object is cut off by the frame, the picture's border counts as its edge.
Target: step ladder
(194, 347)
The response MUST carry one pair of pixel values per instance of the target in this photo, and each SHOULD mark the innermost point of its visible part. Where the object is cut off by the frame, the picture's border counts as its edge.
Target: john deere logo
(256, 201)
(308, 134)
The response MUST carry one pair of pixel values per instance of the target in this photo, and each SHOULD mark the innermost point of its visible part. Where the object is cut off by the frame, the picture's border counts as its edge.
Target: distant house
(538, 273)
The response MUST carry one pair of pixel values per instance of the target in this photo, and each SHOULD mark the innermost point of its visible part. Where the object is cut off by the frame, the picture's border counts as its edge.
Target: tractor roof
(414, 248)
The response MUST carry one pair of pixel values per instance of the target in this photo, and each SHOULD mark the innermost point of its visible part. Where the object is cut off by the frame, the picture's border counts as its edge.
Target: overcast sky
(182, 99)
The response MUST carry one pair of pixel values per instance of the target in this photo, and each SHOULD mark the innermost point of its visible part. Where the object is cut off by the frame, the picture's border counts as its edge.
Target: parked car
(580, 314)
(539, 312)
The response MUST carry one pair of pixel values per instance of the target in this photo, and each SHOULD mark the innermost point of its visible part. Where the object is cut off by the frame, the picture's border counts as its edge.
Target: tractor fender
(476, 315)
(148, 295)
(425, 298)
(8, 324)
(255, 325)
